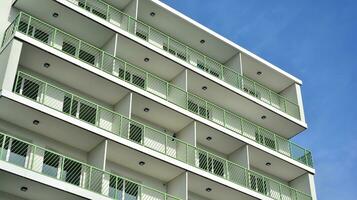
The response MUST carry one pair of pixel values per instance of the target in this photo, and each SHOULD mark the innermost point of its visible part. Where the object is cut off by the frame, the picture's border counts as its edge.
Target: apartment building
(130, 99)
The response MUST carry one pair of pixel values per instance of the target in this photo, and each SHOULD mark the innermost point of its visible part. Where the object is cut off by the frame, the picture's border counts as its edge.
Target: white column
(306, 184)
(178, 186)
(240, 156)
(124, 105)
(181, 80)
(9, 61)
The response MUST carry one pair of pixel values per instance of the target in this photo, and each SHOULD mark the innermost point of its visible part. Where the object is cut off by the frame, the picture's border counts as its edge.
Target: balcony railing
(117, 67)
(191, 56)
(80, 108)
(60, 167)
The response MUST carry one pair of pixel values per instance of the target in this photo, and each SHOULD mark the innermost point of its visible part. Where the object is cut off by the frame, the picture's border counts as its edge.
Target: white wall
(7, 15)
(193, 196)
(110, 45)
(124, 105)
(305, 183)
(293, 93)
(132, 9)
(234, 63)
(9, 60)
(180, 80)
(178, 186)
(98, 155)
(240, 156)
(188, 134)
(135, 176)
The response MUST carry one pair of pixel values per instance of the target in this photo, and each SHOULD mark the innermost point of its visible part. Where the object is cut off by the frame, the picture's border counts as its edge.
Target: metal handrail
(69, 170)
(184, 52)
(138, 77)
(42, 92)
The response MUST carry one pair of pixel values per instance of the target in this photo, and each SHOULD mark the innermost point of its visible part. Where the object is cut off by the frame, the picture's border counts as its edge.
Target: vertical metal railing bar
(168, 85)
(221, 75)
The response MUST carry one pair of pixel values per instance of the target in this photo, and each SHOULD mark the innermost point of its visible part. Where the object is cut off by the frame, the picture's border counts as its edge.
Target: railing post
(146, 81)
(97, 116)
(102, 61)
(222, 71)
(165, 144)
(224, 118)
(28, 25)
(33, 158)
(270, 100)
(108, 7)
(3, 146)
(241, 126)
(280, 194)
(79, 49)
(89, 178)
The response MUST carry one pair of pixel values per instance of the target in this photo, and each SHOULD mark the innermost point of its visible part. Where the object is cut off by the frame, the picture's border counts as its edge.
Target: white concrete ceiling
(51, 127)
(68, 20)
(184, 31)
(278, 168)
(135, 54)
(242, 106)
(198, 185)
(71, 75)
(159, 114)
(130, 158)
(11, 184)
(119, 4)
(220, 142)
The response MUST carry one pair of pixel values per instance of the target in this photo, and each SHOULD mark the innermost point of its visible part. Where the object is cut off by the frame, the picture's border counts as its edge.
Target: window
(28, 88)
(202, 66)
(69, 48)
(88, 7)
(79, 110)
(181, 55)
(264, 140)
(210, 164)
(51, 163)
(17, 151)
(132, 78)
(86, 57)
(193, 107)
(36, 33)
(72, 172)
(131, 190)
(135, 133)
(116, 187)
(141, 34)
(258, 184)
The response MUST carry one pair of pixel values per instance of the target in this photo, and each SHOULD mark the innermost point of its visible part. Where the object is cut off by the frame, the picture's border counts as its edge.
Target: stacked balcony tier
(60, 167)
(117, 67)
(191, 56)
(75, 106)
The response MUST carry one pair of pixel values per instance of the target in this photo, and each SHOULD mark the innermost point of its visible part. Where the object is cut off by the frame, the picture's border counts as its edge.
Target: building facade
(130, 99)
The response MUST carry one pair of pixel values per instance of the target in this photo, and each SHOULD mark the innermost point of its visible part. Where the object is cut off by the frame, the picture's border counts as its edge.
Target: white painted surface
(178, 186)
(240, 156)
(180, 80)
(97, 156)
(9, 60)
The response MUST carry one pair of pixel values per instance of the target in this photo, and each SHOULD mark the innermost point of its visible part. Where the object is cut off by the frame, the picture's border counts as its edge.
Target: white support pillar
(306, 184)
(241, 156)
(178, 186)
(235, 63)
(188, 134)
(132, 8)
(124, 106)
(9, 61)
(293, 93)
(111, 45)
(181, 80)
(97, 156)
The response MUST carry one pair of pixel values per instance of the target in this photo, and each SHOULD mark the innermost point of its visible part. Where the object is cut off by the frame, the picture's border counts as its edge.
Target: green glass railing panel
(186, 53)
(80, 108)
(60, 167)
(151, 83)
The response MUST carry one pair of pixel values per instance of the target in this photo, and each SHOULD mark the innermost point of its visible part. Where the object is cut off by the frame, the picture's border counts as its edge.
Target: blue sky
(314, 40)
